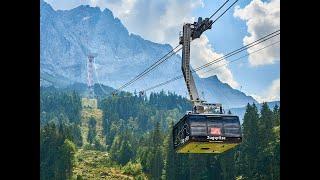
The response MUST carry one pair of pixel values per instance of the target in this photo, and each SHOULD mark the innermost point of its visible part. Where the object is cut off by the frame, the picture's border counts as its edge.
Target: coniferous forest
(129, 137)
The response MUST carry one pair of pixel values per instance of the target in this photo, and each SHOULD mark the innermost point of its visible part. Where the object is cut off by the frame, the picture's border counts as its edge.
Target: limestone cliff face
(67, 37)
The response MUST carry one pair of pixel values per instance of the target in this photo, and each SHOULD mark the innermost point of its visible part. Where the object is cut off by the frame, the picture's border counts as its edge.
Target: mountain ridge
(68, 36)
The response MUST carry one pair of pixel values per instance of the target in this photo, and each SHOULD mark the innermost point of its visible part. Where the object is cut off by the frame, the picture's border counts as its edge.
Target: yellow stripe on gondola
(205, 147)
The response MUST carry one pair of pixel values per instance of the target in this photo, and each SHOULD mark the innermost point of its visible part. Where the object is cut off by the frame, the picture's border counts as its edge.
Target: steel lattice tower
(90, 75)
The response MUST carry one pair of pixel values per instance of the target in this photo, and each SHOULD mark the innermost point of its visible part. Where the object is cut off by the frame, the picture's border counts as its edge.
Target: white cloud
(202, 53)
(121, 8)
(271, 94)
(156, 20)
(261, 19)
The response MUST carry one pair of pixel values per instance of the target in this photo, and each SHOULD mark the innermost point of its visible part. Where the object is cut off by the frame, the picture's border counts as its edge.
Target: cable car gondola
(206, 129)
(206, 133)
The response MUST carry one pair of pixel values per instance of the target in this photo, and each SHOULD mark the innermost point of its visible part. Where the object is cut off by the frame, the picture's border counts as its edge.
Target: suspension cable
(215, 61)
(163, 59)
(153, 66)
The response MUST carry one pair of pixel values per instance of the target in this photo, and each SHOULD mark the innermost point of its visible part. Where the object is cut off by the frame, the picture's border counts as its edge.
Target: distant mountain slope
(67, 37)
(217, 91)
(81, 88)
(241, 111)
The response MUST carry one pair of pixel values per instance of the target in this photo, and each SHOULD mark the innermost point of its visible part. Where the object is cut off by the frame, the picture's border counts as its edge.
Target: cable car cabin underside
(206, 133)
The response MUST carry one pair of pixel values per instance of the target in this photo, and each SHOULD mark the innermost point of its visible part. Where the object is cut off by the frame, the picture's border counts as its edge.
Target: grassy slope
(91, 164)
(97, 114)
(96, 165)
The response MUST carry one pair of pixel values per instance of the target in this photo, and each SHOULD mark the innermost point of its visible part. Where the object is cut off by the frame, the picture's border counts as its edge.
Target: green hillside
(130, 137)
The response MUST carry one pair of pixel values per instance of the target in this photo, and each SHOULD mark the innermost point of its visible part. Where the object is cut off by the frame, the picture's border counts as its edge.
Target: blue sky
(226, 35)
(259, 76)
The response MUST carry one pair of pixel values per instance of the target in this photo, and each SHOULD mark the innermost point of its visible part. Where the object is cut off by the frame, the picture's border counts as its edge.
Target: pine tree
(115, 147)
(56, 152)
(125, 152)
(266, 135)
(76, 135)
(272, 152)
(276, 115)
(169, 165)
(66, 158)
(156, 159)
(248, 149)
(92, 130)
(227, 163)
(48, 150)
(197, 166)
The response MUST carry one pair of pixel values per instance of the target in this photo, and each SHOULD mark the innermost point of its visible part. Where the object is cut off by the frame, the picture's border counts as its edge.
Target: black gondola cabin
(206, 133)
